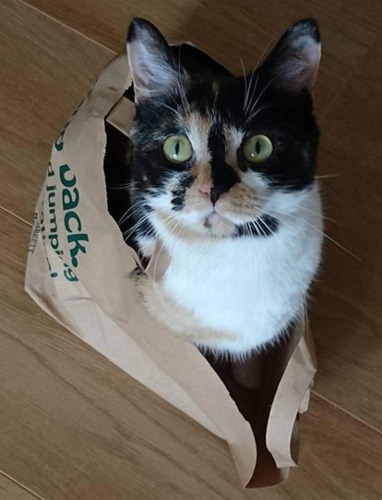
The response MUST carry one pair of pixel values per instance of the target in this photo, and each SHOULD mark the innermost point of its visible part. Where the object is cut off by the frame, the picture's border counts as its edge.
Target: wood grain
(9, 490)
(347, 311)
(75, 427)
(339, 459)
(46, 70)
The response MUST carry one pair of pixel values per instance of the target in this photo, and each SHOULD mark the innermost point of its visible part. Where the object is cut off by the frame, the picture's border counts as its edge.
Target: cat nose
(205, 187)
(213, 192)
(216, 192)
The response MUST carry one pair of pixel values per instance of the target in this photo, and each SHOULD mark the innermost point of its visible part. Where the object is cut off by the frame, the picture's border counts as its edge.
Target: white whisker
(253, 93)
(245, 84)
(328, 176)
(129, 186)
(329, 238)
(172, 110)
(180, 86)
(143, 219)
(266, 198)
(266, 225)
(130, 231)
(257, 111)
(264, 89)
(136, 207)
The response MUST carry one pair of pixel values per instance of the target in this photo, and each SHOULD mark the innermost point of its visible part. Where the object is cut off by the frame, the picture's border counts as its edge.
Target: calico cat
(224, 176)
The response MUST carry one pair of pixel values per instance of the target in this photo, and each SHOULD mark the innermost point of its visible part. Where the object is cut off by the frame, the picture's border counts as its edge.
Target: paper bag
(78, 272)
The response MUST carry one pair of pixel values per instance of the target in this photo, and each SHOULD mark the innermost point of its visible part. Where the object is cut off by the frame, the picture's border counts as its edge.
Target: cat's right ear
(293, 63)
(150, 60)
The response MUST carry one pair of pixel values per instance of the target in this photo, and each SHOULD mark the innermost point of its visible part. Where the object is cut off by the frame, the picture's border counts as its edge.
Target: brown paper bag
(78, 272)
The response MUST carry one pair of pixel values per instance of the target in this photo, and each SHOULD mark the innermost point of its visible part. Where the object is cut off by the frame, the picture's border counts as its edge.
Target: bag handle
(291, 399)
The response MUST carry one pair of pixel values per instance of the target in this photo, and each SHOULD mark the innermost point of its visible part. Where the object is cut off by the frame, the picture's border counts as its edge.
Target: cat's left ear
(293, 63)
(151, 60)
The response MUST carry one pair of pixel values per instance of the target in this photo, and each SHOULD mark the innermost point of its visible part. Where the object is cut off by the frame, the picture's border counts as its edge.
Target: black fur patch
(262, 227)
(223, 175)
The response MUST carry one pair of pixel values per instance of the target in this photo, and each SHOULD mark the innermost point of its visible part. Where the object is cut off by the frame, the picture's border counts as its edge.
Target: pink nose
(205, 187)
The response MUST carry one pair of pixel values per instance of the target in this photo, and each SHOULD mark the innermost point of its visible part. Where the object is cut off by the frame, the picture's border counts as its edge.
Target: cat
(223, 173)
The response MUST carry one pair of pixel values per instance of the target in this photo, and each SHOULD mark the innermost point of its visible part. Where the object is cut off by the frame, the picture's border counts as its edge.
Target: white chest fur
(237, 294)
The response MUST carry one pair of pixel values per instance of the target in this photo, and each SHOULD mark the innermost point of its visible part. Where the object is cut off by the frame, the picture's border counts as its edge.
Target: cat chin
(217, 225)
(193, 226)
(206, 230)
(212, 226)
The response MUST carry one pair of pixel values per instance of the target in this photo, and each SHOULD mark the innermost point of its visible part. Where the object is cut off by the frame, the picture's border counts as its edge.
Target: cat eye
(177, 149)
(258, 148)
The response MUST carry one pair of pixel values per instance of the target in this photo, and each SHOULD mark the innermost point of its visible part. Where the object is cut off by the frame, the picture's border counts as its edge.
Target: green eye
(177, 149)
(258, 148)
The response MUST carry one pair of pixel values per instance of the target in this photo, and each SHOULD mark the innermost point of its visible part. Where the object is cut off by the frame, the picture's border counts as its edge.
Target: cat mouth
(220, 225)
(215, 220)
(215, 216)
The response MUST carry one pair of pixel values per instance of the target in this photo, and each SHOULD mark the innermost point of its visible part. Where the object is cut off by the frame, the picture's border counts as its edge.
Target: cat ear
(294, 62)
(150, 60)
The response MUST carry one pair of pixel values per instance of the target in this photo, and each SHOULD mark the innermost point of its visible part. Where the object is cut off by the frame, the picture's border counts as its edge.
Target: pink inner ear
(311, 56)
(150, 69)
(301, 71)
(143, 68)
(136, 66)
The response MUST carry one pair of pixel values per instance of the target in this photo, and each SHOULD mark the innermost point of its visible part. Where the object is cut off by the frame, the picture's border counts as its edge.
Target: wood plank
(9, 490)
(74, 426)
(230, 31)
(340, 458)
(347, 311)
(46, 70)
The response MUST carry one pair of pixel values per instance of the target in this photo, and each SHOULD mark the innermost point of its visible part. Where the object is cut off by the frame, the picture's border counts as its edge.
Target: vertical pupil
(177, 148)
(258, 147)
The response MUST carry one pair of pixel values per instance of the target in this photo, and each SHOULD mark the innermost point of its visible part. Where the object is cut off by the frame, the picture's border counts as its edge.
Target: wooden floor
(72, 426)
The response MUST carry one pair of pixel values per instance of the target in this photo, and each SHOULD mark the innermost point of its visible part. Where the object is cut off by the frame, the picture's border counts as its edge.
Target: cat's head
(220, 155)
